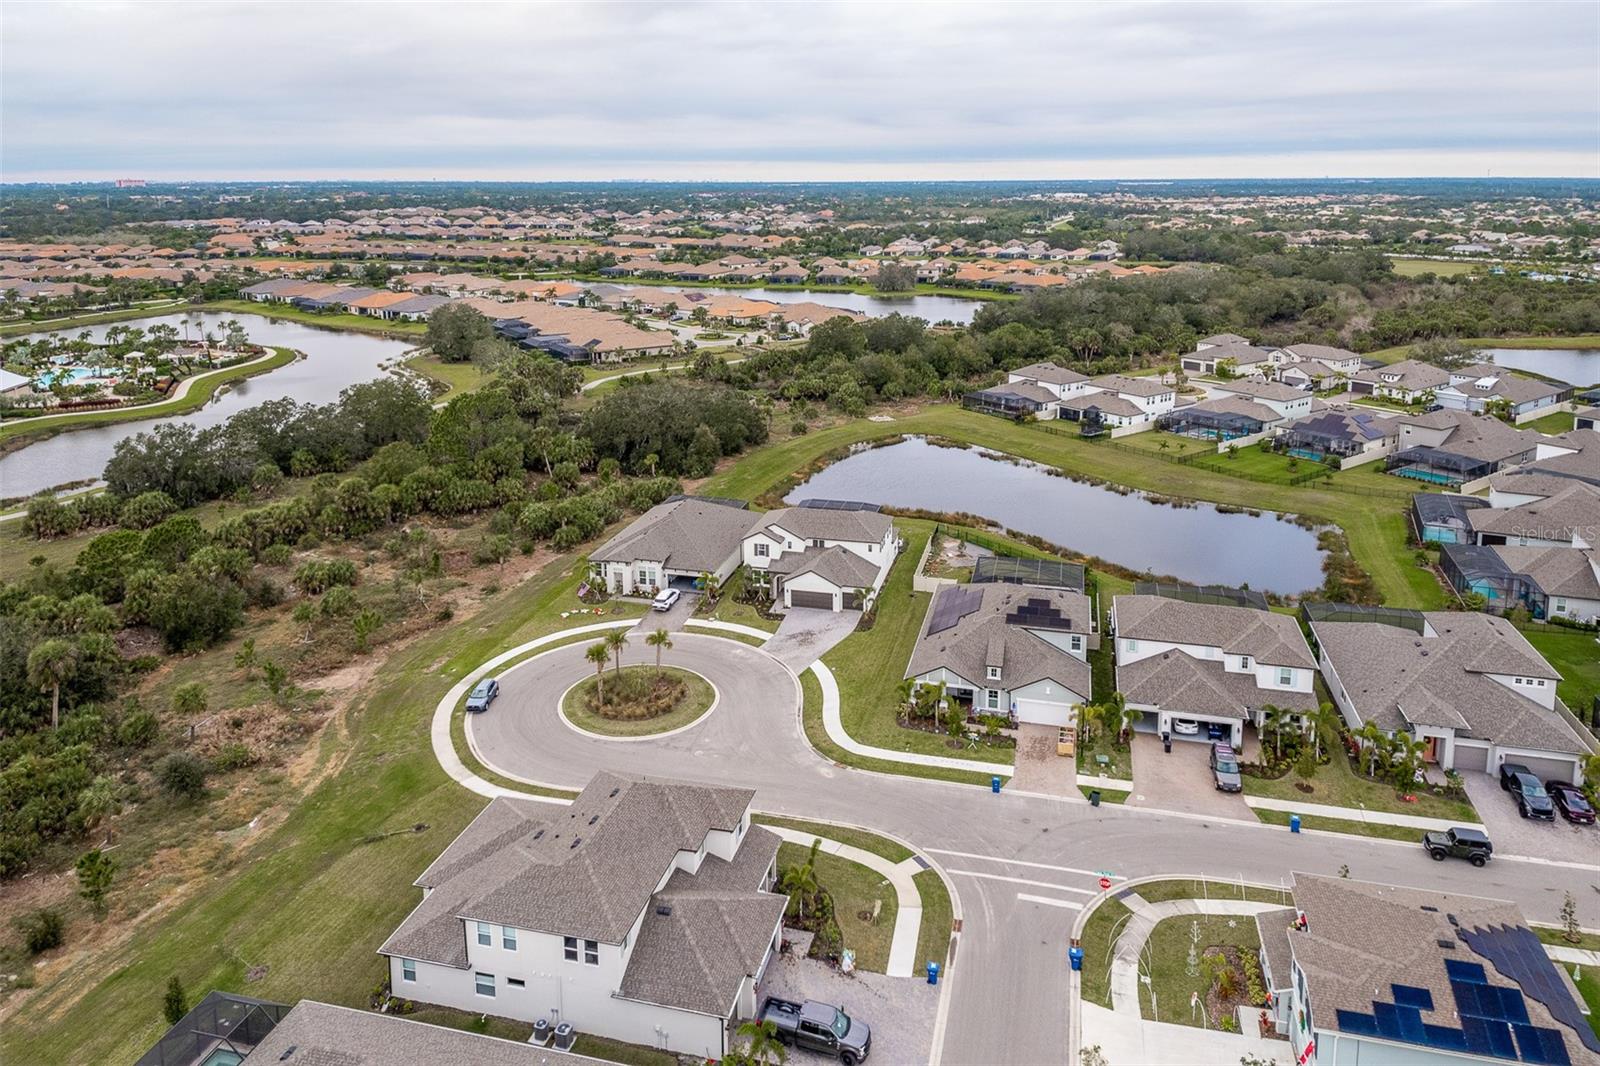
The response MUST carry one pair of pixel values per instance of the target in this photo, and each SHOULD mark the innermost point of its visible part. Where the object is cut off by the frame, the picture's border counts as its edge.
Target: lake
(1575, 366)
(334, 361)
(1198, 544)
(932, 308)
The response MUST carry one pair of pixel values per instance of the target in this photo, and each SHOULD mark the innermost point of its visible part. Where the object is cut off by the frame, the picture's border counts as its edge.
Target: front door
(1431, 753)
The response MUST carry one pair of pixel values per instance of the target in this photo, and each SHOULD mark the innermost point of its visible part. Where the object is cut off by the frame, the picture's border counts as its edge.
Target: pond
(1197, 544)
(932, 308)
(1575, 366)
(334, 361)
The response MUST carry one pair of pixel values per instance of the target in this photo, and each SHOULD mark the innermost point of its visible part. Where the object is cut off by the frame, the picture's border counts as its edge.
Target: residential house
(642, 913)
(1484, 387)
(1238, 359)
(1586, 418)
(1019, 651)
(1408, 381)
(1444, 517)
(671, 545)
(1211, 664)
(814, 555)
(1225, 418)
(1120, 402)
(1549, 582)
(1021, 400)
(1568, 517)
(1345, 436)
(1286, 400)
(1216, 340)
(1384, 974)
(1315, 366)
(1455, 448)
(1468, 686)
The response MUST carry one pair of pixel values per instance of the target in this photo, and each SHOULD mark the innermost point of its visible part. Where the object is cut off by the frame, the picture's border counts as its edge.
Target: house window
(484, 937)
(408, 969)
(508, 938)
(1130, 645)
(1285, 675)
(1077, 643)
(516, 982)
(994, 673)
(818, 542)
(991, 699)
(1540, 682)
(569, 948)
(484, 984)
(1244, 662)
(1561, 606)
(762, 549)
(591, 953)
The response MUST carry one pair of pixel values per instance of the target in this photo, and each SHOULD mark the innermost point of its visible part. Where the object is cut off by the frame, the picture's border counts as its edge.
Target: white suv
(665, 599)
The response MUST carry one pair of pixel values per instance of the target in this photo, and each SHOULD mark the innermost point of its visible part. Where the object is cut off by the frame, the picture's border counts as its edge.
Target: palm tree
(1323, 720)
(765, 1047)
(905, 693)
(599, 654)
(1375, 740)
(98, 802)
(800, 880)
(1089, 715)
(1408, 752)
(659, 640)
(52, 664)
(1273, 719)
(616, 640)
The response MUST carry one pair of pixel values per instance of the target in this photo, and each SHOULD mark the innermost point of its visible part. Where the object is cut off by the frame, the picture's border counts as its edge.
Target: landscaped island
(637, 701)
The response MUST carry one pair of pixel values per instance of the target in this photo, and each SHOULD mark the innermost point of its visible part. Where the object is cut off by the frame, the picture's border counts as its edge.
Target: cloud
(802, 90)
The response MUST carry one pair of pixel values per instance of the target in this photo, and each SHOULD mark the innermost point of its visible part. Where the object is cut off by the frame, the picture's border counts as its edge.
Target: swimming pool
(72, 376)
(1432, 477)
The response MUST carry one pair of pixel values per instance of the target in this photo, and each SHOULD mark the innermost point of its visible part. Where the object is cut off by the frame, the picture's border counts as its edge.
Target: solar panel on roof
(1470, 972)
(1411, 996)
(839, 505)
(952, 605)
(1518, 954)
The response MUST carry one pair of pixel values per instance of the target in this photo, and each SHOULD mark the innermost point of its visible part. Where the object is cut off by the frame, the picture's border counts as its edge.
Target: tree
(599, 654)
(800, 880)
(659, 640)
(1407, 760)
(96, 870)
(182, 775)
(1375, 743)
(98, 802)
(245, 658)
(189, 699)
(51, 664)
(765, 1049)
(1089, 716)
(453, 330)
(1273, 720)
(363, 625)
(175, 1003)
(895, 277)
(616, 640)
(1324, 722)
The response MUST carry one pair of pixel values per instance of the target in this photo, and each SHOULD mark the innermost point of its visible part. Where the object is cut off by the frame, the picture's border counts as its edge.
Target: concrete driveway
(1513, 834)
(1180, 781)
(899, 1010)
(807, 633)
(671, 620)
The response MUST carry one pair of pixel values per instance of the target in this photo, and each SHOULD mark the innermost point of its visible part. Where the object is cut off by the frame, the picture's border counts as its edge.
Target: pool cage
(1475, 568)
(1437, 467)
(1209, 425)
(222, 1028)
(1003, 402)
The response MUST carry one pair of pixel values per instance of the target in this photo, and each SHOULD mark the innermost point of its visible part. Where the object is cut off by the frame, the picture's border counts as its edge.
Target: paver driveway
(900, 1010)
(1181, 780)
(1513, 834)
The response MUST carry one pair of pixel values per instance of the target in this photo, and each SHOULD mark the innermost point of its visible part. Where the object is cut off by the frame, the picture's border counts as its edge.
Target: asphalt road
(1023, 866)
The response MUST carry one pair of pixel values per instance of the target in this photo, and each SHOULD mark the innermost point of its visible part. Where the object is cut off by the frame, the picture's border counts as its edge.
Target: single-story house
(1549, 581)
(643, 912)
(1234, 357)
(671, 545)
(1210, 664)
(1469, 686)
(817, 556)
(1020, 651)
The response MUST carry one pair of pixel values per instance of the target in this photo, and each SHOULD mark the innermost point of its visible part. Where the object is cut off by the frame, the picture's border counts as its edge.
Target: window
(484, 984)
(484, 936)
(762, 549)
(1244, 662)
(516, 982)
(994, 673)
(1130, 645)
(508, 938)
(408, 969)
(569, 948)
(1285, 675)
(991, 699)
(591, 953)
(818, 542)
(1077, 643)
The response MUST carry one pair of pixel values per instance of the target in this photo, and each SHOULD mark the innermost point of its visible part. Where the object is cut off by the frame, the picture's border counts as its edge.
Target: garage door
(1362, 387)
(852, 601)
(798, 598)
(1471, 757)
(1545, 769)
(1044, 712)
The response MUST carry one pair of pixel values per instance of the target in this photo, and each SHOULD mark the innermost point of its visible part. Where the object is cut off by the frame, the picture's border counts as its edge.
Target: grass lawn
(1338, 785)
(1120, 760)
(1375, 524)
(868, 665)
(1576, 657)
(201, 388)
(693, 702)
(1341, 825)
(1195, 888)
(1556, 424)
(1586, 941)
(483, 1024)
(1099, 937)
(1411, 268)
(600, 1047)
(1107, 795)
(308, 901)
(1167, 952)
(938, 917)
(856, 838)
(855, 889)
(458, 377)
(1589, 988)
(357, 323)
(156, 307)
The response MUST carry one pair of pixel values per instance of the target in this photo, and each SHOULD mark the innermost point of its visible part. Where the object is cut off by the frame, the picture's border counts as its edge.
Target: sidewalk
(834, 725)
(1355, 814)
(908, 901)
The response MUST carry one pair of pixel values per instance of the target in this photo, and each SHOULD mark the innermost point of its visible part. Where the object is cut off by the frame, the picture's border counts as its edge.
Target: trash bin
(1166, 742)
(1075, 956)
(994, 783)
(933, 973)
(1294, 823)
(1094, 797)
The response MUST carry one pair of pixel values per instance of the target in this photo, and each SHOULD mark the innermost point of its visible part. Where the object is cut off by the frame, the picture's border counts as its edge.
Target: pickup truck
(818, 1027)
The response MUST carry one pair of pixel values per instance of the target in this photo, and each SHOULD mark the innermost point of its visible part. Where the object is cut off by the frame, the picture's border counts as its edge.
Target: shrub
(139, 729)
(146, 509)
(174, 1003)
(182, 775)
(189, 699)
(277, 554)
(40, 929)
(233, 757)
(799, 428)
(320, 575)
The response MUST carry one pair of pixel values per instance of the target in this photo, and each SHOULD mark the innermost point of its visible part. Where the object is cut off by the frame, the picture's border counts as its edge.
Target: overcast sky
(797, 91)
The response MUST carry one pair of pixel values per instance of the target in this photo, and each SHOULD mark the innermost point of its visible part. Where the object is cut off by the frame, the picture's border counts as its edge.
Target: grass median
(691, 697)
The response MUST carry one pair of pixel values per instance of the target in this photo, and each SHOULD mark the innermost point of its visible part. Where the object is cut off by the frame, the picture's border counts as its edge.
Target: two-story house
(1211, 665)
(1408, 380)
(1120, 402)
(1021, 651)
(1315, 366)
(1484, 386)
(821, 554)
(642, 912)
(1288, 401)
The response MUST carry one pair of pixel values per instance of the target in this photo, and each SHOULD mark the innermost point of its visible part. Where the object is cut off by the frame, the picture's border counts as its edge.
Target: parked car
(1509, 772)
(1462, 843)
(665, 599)
(1186, 727)
(483, 694)
(1532, 800)
(818, 1027)
(1225, 768)
(1571, 802)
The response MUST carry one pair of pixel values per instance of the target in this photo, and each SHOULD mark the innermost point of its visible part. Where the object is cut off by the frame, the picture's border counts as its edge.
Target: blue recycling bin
(994, 783)
(1294, 823)
(1075, 956)
(933, 973)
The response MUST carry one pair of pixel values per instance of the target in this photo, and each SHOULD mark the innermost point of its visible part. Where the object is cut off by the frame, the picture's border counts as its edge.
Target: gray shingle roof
(1557, 571)
(823, 523)
(1131, 386)
(1244, 353)
(1412, 374)
(1388, 671)
(585, 870)
(1177, 681)
(1273, 928)
(1265, 636)
(982, 637)
(838, 565)
(686, 534)
(321, 1034)
(1108, 402)
(1055, 375)
(1573, 509)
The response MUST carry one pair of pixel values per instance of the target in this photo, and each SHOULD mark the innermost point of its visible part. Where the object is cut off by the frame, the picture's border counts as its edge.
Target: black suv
(1462, 843)
(1532, 800)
